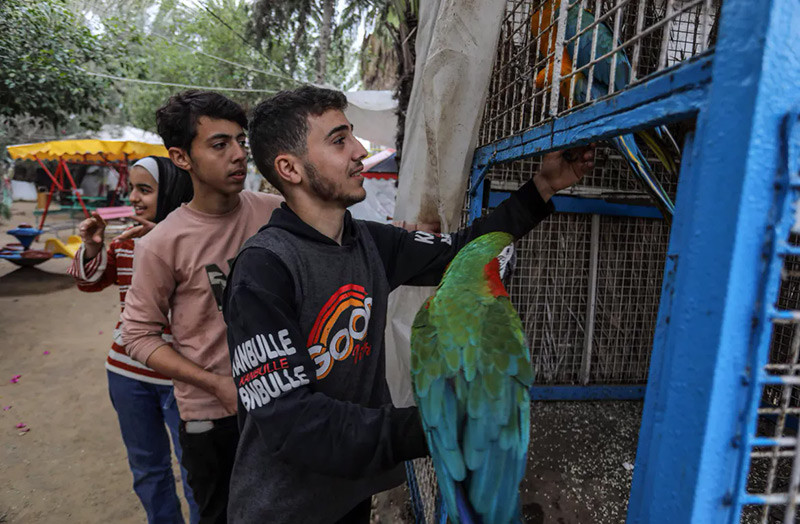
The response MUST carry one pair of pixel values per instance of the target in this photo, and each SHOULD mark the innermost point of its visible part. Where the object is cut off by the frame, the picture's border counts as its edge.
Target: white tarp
(456, 42)
(25, 191)
(372, 114)
(120, 133)
(379, 204)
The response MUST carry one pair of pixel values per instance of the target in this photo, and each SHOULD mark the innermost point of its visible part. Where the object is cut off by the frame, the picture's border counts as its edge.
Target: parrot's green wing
(471, 371)
(435, 394)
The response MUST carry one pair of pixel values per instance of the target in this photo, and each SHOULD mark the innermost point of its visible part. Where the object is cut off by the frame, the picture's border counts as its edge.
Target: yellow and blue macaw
(657, 140)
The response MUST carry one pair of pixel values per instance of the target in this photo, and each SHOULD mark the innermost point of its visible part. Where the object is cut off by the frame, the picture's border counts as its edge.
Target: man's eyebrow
(339, 128)
(217, 136)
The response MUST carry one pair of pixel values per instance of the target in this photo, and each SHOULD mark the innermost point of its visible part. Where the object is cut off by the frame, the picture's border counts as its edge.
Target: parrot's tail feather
(627, 147)
(655, 144)
(466, 513)
(663, 132)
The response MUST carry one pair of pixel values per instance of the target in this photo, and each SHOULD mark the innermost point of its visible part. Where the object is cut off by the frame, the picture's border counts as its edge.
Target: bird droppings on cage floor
(577, 462)
(579, 466)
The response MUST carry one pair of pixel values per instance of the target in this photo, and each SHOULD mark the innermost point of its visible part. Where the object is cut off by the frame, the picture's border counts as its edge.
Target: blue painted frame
(558, 393)
(594, 206)
(690, 459)
(709, 347)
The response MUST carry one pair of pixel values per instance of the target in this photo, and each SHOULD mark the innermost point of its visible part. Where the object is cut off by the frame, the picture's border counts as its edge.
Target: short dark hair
(177, 118)
(279, 124)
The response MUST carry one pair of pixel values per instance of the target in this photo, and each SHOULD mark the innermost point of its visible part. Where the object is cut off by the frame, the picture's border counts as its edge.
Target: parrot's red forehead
(492, 273)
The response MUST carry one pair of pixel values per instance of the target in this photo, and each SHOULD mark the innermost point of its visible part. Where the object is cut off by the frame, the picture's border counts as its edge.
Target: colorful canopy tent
(382, 165)
(110, 153)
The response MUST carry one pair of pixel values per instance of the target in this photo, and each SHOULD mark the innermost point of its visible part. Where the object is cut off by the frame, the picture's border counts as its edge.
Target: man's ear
(180, 158)
(289, 168)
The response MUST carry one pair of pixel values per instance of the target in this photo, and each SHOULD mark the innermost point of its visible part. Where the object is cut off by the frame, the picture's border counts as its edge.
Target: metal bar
(576, 47)
(661, 360)
(764, 498)
(47, 172)
(662, 58)
(772, 441)
(592, 54)
(596, 392)
(547, 51)
(75, 187)
(637, 47)
(614, 41)
(672, 95)
(794, 484)
(559, 52)
(478, 181)
(47, 205)
(781, 422)
(697, 467)
(602, 18)
(705, 13)
(785, 249)
(587, 206)
(586, 358)
(782, 315)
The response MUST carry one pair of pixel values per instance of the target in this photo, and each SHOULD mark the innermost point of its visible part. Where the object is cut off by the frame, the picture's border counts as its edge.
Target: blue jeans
(143, 409)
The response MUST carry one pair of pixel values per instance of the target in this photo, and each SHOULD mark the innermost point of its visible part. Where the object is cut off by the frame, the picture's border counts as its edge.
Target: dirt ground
(71, 465)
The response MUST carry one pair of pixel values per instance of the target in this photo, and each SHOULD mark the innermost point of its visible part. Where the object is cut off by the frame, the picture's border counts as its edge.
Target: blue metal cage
(701, 319)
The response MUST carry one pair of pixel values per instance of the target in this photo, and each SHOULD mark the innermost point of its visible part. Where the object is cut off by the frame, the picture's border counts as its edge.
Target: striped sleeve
(97, 273)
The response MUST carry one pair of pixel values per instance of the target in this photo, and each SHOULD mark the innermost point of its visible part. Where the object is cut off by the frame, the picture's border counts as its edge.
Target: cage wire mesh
(553, 283)
(535, 77)
(774, 470)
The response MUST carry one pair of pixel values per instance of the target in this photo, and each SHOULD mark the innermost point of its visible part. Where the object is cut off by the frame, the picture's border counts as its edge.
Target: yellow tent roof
(87, 150)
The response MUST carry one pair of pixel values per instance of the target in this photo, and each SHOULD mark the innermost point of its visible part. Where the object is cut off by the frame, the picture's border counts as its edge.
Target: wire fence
(554, 56)
(774, 469)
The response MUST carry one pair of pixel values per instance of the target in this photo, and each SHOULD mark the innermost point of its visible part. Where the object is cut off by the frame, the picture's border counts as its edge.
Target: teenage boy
(306, 310)
(179, 275)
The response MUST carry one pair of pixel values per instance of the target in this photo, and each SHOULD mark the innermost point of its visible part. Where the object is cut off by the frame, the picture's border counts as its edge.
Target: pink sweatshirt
(182, 266)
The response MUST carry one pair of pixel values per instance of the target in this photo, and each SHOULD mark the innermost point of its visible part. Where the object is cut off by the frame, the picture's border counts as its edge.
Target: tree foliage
(321, 36)
(204, 44)
(45, 51)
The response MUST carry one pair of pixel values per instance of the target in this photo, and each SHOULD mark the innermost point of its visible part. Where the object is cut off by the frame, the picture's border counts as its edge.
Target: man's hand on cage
(562, 169)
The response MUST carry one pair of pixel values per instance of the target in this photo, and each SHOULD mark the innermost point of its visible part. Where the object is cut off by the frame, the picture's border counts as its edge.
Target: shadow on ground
(32, 281)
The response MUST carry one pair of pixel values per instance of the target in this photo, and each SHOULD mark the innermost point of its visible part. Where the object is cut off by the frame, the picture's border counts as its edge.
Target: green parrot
(471, 374)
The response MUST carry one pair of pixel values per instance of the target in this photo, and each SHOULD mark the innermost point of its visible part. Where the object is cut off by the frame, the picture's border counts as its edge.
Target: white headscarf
(150, 164)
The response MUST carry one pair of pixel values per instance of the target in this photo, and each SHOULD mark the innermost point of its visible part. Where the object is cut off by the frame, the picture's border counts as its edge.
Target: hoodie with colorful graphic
(306, 319)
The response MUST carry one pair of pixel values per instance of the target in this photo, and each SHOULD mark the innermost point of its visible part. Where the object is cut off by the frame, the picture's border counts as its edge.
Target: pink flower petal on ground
(20, 425)
(6, 408)
(99, 332)
(15, 379)
(45, 353)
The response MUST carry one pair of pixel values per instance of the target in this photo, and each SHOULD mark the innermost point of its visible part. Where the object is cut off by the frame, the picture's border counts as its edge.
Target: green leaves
(44, 51)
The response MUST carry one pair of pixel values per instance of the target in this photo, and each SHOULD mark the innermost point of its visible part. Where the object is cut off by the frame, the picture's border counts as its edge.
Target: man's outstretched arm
(420, 258)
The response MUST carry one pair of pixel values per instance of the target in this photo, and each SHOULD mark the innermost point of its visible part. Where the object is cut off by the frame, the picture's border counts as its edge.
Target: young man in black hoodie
(306, 310)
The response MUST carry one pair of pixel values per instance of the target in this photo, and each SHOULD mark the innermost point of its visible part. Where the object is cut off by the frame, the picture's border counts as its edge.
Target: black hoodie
(306, 318)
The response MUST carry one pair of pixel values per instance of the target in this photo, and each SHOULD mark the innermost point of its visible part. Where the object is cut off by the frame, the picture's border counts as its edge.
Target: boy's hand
(225, 391)
(137, 231)
(92, 231)
(562, 169)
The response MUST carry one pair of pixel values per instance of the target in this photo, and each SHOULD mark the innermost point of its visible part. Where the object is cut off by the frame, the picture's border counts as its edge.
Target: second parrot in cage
(659, 140)
(471, 374)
